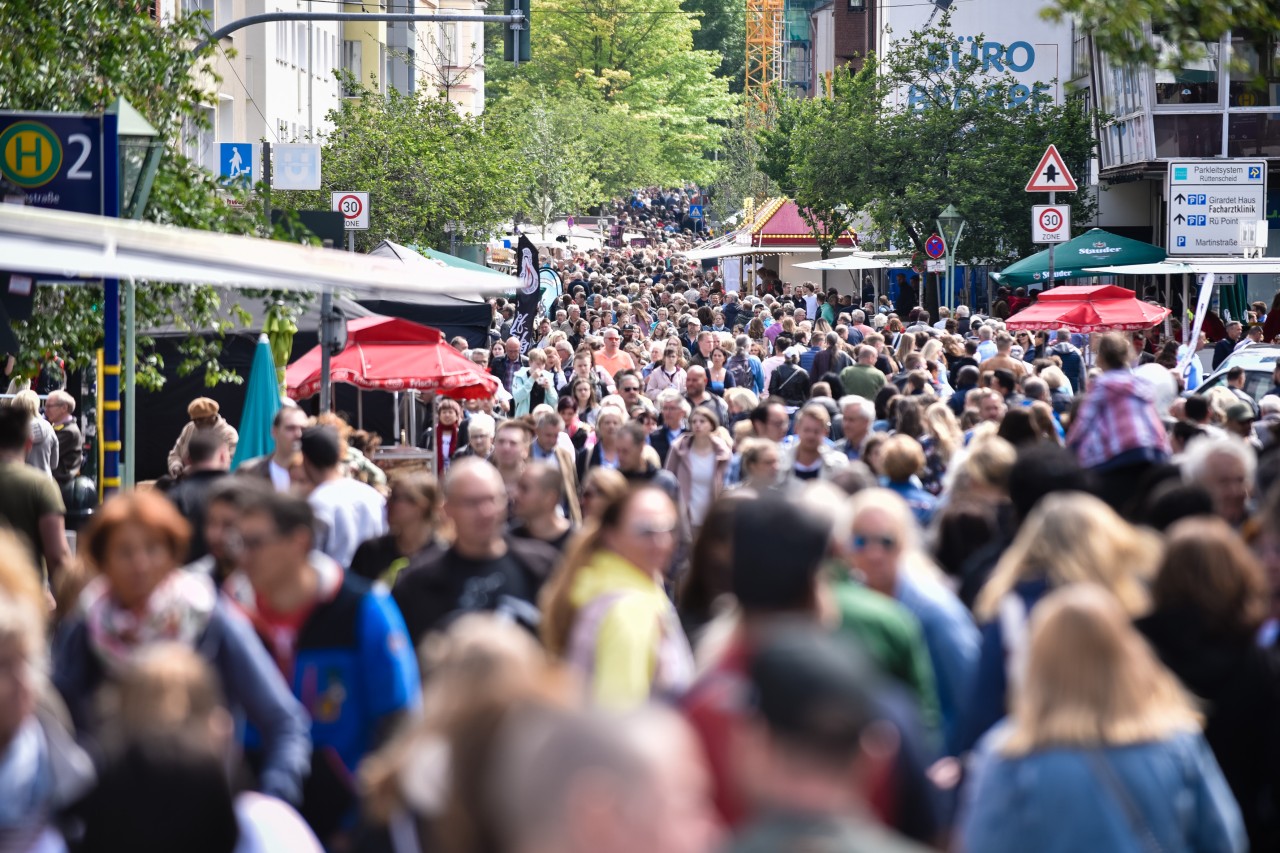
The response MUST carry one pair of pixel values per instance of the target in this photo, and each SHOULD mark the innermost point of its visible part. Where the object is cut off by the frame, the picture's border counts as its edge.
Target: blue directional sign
(55, 158)
(695, 211)
(238, 163)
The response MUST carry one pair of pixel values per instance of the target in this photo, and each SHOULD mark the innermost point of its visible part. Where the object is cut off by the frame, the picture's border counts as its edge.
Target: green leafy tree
(921, 128)
(723, 29)
(1119, 26)
(637, 57)
(423, 165)
(740, 176)
(79, 56)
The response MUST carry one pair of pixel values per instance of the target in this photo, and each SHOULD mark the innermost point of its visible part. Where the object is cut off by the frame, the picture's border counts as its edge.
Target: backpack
(739, 367)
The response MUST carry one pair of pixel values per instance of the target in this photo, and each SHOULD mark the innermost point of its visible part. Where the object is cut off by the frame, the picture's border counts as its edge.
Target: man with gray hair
(857, 416)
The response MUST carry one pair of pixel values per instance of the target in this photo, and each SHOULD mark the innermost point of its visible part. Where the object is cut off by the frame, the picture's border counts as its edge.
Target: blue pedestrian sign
(238, 163)
(695, 211)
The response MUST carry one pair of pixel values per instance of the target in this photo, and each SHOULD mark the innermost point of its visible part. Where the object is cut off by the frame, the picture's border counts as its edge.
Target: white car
(1259, 363)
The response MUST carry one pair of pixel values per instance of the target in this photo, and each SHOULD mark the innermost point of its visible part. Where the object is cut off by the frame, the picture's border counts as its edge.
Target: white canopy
(49, 242)
(848, 262)
(1198, 266)
(732, 251)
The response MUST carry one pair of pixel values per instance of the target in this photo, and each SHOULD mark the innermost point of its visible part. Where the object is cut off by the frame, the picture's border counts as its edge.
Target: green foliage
(1119, 26)
(423, 166)
(965, 141)
(656, 96)
(723, 29)
(740, 176)
(79, 56)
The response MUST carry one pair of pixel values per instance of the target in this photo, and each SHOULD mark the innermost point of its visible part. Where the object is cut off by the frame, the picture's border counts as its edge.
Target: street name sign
(1208, 199)
(1052, 175)
(1051, 223)
(354, 208)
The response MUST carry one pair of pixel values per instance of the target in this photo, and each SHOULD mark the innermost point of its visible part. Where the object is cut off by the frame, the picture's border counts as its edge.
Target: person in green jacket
(863, 379)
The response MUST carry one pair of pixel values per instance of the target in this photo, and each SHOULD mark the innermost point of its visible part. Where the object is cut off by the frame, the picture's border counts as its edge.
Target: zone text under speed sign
(1051, 223)
(354, 208)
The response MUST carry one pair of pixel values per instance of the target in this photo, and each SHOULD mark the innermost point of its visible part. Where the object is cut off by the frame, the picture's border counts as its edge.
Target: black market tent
(1075, 258)
(465, 314)
(163, 413)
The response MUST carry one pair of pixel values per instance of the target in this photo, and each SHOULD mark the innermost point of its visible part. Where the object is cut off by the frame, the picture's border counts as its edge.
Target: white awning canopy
(731, 251)
(848, 262)
(1198, 266)
(56, 243)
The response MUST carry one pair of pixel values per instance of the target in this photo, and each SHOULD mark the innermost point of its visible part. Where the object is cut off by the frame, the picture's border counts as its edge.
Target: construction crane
(765, 52)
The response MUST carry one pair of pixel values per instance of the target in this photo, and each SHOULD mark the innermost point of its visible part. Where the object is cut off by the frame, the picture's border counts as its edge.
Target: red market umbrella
(391, 354)
(1104, 308)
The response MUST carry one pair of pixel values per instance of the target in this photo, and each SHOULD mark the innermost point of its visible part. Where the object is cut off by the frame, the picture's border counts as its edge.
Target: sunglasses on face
(862, 543)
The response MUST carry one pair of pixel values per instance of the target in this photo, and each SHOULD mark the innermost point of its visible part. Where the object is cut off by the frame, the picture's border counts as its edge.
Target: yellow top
(627, 641)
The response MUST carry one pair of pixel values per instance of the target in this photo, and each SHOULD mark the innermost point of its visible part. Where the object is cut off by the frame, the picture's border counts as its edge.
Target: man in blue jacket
(340, 644)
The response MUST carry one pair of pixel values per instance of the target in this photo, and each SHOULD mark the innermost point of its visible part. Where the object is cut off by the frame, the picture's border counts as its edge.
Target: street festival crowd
(779, 571)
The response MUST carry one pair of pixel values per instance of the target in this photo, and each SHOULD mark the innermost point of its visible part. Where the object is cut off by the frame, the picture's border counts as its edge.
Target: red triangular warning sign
(1052, 175)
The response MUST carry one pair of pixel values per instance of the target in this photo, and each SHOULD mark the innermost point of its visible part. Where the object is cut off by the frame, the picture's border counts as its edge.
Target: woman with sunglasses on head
(606, 612)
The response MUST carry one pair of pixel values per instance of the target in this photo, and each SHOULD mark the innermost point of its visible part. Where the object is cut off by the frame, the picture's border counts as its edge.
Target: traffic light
(515, 37)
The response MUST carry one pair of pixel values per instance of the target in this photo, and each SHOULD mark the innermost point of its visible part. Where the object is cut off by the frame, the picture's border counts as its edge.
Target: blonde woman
(605, 611)
(942, 438)
(1068, 538)
(1102, 750)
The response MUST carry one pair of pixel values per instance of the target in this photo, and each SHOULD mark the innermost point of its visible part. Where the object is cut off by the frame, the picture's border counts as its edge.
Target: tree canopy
(423, 165)
(1119, 27)
(79, 56)
(634, 61)
(920, 128)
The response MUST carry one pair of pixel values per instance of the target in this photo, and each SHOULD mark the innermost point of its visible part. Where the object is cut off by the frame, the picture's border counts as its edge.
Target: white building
(277, 80)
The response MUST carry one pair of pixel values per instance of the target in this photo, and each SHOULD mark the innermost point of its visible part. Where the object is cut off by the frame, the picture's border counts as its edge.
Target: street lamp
(139, 146)
(140, 149)
(951, 226)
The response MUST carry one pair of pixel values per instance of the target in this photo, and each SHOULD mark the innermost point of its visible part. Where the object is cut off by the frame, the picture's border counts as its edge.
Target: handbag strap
(1133, 813)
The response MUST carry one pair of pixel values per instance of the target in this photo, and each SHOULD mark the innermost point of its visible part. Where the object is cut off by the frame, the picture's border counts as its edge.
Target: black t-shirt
(500, 586)
(522, 532)
(375, 556)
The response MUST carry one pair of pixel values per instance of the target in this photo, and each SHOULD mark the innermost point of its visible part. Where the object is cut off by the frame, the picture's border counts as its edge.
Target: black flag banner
(522, 327)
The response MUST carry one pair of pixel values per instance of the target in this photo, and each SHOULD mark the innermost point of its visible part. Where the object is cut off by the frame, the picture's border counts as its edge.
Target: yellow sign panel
(30, 154)
(1247, 99)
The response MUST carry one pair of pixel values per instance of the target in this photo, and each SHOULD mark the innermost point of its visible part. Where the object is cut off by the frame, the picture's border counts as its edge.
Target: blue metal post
(110, 316)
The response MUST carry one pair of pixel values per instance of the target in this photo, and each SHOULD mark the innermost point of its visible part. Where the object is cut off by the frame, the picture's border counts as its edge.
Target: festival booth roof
(1102, 308)
(1080, 258)
(462, 311)
(392, 354)
(780, 223)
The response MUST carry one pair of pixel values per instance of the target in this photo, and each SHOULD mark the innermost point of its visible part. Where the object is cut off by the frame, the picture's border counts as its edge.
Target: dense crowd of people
(776, 570)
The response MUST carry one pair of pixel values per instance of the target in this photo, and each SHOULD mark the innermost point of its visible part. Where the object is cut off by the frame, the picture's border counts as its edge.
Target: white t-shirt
(280, 479)
(268, 824)
(350, 512)
(702, 472)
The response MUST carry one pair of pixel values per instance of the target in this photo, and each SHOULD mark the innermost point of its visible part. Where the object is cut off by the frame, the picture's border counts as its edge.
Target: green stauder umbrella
(262, 401)
(1094, 248)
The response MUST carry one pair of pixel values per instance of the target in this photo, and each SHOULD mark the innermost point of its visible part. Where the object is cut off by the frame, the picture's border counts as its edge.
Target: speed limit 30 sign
(1051, 223)
(354, 208)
